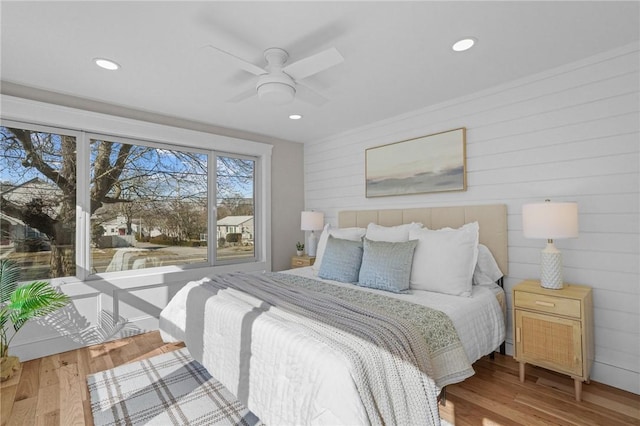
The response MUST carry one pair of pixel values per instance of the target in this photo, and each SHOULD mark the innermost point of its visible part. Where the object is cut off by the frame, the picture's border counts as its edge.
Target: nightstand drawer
(302, 261)
(550, 304)
(299, 262)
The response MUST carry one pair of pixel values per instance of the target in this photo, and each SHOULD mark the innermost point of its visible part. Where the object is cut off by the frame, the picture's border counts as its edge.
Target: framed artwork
(432, 163)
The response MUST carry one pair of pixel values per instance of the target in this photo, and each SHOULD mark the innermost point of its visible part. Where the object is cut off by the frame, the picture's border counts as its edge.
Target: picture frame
(427, 164)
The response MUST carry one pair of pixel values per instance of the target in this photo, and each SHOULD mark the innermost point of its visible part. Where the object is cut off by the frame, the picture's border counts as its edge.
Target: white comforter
(282, 374)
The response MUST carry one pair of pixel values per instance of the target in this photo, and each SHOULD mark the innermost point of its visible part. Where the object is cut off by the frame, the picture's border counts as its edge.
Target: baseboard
(617, 377)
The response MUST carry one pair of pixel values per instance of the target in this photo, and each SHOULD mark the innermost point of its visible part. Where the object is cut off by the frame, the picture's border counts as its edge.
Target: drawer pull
(547, 304)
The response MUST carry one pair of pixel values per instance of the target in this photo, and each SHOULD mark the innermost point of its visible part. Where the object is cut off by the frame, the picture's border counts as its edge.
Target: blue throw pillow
(386, 265)
(341, 260)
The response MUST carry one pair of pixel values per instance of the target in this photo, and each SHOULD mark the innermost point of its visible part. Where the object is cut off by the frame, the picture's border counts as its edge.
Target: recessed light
(107, 64)
(295, 116)
(464, 44)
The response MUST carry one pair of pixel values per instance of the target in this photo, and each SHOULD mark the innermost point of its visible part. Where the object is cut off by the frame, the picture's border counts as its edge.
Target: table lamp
(311, 221)
(550, 221)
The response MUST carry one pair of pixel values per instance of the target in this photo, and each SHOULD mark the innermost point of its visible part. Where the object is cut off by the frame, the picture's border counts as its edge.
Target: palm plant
(19, 304)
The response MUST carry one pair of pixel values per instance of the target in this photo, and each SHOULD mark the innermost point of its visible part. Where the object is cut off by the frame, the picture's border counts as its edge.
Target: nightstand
(554, 330)
(302, 261)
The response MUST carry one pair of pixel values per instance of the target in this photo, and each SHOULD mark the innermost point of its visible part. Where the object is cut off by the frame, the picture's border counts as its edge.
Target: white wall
(569, 134)
(287, 201)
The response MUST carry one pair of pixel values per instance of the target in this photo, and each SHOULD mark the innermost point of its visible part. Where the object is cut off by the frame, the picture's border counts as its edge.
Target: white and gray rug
(168, 389)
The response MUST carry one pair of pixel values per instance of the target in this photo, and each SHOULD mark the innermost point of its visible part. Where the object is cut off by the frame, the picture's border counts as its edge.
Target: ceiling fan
(279, 83)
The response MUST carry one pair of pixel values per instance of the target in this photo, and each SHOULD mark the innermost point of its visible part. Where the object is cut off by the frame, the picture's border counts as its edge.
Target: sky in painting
(431, 154)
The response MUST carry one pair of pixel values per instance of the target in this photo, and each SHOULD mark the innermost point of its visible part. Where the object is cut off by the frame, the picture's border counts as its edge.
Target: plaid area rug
(168, 389)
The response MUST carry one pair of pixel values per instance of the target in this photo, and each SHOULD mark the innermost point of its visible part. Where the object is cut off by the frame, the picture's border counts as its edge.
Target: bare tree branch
(33, 159)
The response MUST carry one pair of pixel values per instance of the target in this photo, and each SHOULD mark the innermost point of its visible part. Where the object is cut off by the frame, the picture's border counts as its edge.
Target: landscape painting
(433, 163)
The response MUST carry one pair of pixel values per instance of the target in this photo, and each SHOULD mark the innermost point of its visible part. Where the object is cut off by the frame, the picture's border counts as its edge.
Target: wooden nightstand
(554, 329)
(302, 261)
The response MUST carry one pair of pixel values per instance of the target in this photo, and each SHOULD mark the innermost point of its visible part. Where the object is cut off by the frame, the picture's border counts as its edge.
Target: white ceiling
(398, 55)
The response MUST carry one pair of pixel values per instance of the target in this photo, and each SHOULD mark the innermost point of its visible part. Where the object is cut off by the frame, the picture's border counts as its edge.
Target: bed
(299, 347)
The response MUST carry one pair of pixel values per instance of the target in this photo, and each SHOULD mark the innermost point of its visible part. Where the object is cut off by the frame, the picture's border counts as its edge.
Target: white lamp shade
(550, 220)
(311, 221)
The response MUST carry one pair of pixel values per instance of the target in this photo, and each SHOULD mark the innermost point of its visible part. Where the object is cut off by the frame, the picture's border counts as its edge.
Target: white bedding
(267, 358)
(479, 319)
(287, 377)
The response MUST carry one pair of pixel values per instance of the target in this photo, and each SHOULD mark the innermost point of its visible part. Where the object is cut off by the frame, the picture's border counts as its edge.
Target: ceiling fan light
(276, 93)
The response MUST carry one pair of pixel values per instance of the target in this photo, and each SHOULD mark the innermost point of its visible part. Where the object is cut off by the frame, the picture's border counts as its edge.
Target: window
(235, 207)
(143, 204)
(155, 198)
(38, 201)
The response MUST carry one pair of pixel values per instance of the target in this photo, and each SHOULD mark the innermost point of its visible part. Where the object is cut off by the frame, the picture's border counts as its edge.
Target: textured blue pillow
(341, 260)
(386, 265)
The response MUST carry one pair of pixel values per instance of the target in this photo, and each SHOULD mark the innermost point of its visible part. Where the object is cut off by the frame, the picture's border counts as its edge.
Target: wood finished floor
(53, 391)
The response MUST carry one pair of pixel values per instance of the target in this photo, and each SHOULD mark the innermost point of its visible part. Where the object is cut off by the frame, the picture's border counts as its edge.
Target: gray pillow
(387, 265)
(341, 260)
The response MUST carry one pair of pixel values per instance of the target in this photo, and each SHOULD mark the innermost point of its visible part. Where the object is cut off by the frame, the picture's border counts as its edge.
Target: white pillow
(392, 234)
(352, 234)
(487, 271)
(444, 259)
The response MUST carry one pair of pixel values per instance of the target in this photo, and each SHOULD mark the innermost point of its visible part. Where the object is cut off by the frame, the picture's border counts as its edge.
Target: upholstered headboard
(491, 218)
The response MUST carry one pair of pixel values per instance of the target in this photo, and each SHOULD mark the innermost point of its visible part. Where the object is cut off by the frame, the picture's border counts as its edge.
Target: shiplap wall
(568, 134)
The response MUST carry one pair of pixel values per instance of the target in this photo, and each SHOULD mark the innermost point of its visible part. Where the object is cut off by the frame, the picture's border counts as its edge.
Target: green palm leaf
(19, 304)
(34, 300)
(9, 275)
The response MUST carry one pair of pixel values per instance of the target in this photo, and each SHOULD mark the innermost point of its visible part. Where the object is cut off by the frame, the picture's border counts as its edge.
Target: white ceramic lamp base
(312, 244)
(551, 267)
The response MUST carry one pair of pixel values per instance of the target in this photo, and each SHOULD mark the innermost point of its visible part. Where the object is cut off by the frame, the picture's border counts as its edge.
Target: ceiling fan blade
(306, 94)
(247, 66)
(314, 64)
(243, 95)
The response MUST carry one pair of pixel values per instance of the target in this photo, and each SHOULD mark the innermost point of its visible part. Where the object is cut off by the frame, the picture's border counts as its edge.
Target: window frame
(86, 125)
(89, 137)
(41, 128)
(257, 223)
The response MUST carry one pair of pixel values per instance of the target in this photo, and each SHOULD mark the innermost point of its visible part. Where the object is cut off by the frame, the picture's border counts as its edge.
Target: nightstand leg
(522, 364)
(578, 388)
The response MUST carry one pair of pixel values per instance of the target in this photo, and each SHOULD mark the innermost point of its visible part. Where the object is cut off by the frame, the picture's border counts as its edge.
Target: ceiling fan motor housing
(276, 88)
